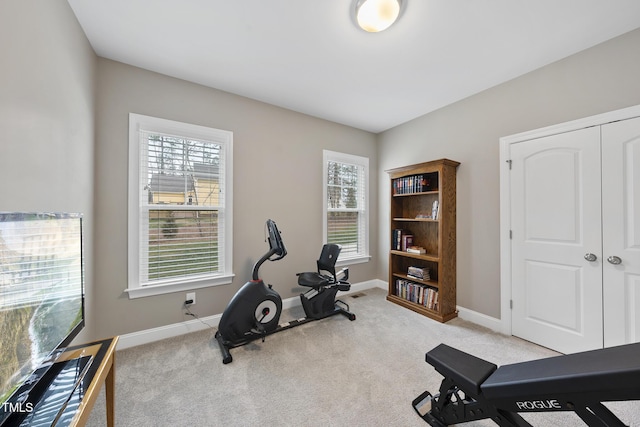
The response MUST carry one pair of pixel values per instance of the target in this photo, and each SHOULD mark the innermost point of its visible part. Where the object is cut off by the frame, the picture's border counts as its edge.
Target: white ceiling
(308, 55)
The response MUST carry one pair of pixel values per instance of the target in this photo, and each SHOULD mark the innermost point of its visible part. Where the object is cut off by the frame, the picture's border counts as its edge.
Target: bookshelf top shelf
(426, 167)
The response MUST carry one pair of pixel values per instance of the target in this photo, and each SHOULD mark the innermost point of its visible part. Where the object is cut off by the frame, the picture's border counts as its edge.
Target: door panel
(541, 205)
(565, 284)
(556, 220)
(621, 230)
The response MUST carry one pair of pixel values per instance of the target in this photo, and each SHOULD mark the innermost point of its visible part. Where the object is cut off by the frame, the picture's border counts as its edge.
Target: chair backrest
(328, 258)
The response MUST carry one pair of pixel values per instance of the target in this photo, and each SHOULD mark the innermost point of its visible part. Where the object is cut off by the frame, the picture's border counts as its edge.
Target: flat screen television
(41, 302)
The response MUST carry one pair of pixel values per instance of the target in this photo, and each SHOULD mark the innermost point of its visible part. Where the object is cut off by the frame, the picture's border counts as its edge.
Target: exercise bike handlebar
(276, 248)
(275, 241)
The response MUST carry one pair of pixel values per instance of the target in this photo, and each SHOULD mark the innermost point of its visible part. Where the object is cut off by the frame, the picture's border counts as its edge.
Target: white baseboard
(156, 334)
(480, 319)
(463, 313)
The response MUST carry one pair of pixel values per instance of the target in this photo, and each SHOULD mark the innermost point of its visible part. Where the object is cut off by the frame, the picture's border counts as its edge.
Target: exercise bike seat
(326, 263)
(612, 372)
(467, 371)
(313, 280)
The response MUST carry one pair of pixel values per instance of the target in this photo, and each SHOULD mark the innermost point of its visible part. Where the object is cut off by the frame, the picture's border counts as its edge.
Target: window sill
(354, 260)
(167, 288)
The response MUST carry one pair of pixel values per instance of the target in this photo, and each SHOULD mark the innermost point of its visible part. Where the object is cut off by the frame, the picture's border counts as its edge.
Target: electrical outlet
(191, 296)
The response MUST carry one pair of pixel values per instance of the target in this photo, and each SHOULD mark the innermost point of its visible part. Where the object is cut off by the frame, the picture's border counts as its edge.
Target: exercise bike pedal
(256, 332)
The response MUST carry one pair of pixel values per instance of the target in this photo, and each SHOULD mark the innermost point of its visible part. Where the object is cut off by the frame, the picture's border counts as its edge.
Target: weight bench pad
(613, 373)
(467, 371)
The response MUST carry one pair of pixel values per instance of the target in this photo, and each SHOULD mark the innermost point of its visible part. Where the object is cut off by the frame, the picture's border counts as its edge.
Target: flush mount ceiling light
(377, 15)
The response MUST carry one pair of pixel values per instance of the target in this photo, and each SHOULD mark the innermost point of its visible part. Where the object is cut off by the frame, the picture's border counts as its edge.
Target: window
(180, 219)
(346, 205)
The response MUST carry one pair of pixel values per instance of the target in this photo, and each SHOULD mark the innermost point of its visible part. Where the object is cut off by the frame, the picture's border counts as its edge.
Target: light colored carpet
(333, 372)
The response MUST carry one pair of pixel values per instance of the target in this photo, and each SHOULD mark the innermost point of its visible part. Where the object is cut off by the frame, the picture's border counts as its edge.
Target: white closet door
(556, 221)
(621, 231)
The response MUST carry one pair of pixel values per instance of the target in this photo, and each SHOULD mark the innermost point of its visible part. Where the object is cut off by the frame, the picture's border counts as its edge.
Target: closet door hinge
(510, 163)
(511, 304)
(510, 234)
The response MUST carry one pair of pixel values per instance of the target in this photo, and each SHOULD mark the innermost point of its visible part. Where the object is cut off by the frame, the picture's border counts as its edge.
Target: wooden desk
(101, 371)
(71, 386)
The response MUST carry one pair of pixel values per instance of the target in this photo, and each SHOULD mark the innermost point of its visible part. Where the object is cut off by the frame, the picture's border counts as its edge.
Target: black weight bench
(474, 389)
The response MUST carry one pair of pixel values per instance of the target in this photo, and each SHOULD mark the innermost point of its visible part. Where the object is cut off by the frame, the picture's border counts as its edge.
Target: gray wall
(597, 80)
(53, 88)
(47, 116)
(277, 174)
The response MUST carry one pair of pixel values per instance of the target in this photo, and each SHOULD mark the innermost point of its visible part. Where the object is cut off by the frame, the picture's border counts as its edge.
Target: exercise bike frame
(226, 346)
(254, 311)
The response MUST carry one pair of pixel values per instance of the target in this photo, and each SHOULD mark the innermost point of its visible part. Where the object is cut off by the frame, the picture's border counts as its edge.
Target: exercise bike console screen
(275, 241)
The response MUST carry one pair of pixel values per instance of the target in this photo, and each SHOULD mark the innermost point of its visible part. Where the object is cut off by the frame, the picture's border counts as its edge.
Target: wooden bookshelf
(416, 226)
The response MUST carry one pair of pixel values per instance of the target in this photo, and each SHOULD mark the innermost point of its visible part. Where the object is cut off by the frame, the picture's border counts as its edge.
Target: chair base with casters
(254, 311)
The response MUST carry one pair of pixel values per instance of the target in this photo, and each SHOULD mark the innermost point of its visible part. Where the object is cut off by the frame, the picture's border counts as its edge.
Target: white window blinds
(182, 196)
(182, 204)
(346, 203)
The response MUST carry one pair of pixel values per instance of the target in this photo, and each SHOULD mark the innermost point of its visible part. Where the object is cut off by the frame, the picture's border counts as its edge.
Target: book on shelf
(417, 293)
(435, 209)
(421, 273)
(416, 250)
(401, 240)
(432, 302)
(411, 184)
(396, 241)
(407, 241)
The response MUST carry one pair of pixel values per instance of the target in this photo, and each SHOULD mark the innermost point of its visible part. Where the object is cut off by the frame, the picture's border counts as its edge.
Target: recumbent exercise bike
(254, 311)
(474, 389)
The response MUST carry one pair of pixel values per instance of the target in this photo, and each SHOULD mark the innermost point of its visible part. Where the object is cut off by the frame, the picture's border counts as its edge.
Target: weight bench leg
(509, 419)
(597, 415)
(452, 405)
